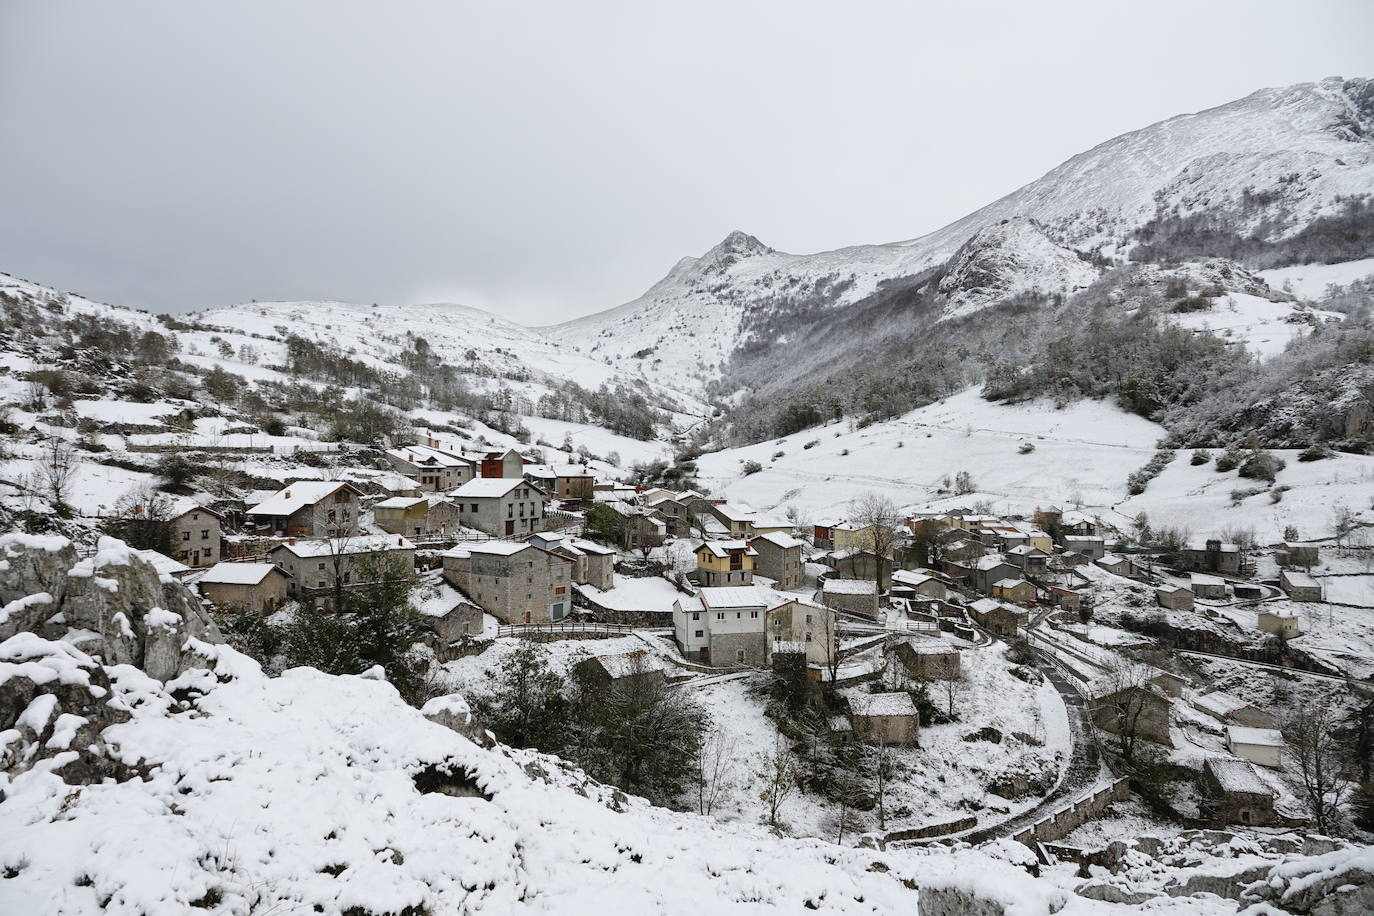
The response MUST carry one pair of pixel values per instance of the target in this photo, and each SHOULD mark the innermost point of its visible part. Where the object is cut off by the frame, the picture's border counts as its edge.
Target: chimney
(291, 541)
(287, 494)
(400, 542)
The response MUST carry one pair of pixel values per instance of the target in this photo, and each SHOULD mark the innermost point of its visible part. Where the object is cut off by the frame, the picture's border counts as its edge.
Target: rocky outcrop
(66, 622)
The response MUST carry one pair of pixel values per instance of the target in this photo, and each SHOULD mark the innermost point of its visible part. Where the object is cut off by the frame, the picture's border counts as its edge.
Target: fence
(571, 629)
(930, 830)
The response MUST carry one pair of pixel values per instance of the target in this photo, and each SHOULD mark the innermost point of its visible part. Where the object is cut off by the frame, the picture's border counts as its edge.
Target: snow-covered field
(1310, 281)
(1264, 327)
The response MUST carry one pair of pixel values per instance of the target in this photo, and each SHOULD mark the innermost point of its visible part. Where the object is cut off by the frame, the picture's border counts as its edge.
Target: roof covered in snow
(738, 596)
(490, 487)
(1236, 775)
(725, 548)
(300, 494)
(367, 543)
(1262, 737)
(239, 573)
(780, 539)
(883, 704)
(850, 587)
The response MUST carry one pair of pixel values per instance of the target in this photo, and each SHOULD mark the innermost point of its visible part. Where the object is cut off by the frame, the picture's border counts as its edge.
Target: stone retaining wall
(1069, 818)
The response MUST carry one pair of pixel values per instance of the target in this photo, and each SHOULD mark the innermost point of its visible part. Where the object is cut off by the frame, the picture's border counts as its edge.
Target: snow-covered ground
(1311, 281)
(1264, 327)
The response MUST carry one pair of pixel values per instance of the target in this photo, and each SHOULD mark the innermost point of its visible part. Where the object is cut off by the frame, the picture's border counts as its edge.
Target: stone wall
(1069, 818)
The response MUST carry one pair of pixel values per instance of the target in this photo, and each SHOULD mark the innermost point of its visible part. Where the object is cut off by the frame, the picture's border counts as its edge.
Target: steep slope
(1267, 165)
(1006, 260)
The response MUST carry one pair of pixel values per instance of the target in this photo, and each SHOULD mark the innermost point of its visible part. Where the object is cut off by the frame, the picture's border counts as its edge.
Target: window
(321, 566)
(510, 510)
(320, 584)
(700, 634)
(474, 507)
(720, 615)
(808, 637)
(808, 619)
(739, 656)
(205, 534)
(738, 615)
(696, 615)
(185, 535)
(754, 615)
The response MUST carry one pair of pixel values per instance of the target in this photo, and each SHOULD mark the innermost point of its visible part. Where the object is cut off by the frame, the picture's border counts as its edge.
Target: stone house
(1210, 587)
(1300, 586)
(887, 718)
(509, 464)
(194, 534)
(454, 627)
(637, 667)
(1017, 591)
(1262, 746)
(1293, 554)
(258, 588)
(310, 508)
(1117, 565)
(928, 659)
(851, 596)
(513, 581)
(506, 507)
(1137, 708)
(736, 517)
(562, 481)
(1031, 560)
(1235, 793)
(436, 471)
(593, 564)
(779, 558)
(1089, 545)
(1174, 597)
(725, 563)
(1080, 525)
(920, 583)
(318, 567)
(859, 564)
(805, 627)
(1211, 556)
(851, 536)
(418, 516)
(1067, 598)
(1234, 710)
(675, 514)
(990, 569)
(998, 618)
(1283, 624)
(823, 535)
(723, 626)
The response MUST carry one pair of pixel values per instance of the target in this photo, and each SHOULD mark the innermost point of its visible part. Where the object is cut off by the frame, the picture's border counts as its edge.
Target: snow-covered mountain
(1266, 166)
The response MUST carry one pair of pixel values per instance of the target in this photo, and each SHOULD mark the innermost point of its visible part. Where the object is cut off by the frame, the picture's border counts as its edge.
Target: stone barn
(929, 659)
(887, 718)
(1235, 793)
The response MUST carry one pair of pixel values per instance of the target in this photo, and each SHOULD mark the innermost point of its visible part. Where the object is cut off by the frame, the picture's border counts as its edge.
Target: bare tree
(830, 632)
(57, 468)
(1315, 754)
(1121, 703)
(846, 817)
(778, 778)
(882, 772)
(951, 689)
(715, 760)
(1344, 520)
(876, 515)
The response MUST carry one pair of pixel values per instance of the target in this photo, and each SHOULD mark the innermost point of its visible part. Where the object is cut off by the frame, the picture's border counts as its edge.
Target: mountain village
(1034, 631)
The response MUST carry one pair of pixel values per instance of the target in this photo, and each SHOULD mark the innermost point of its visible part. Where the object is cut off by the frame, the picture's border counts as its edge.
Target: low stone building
(513, 581)
(435, 470)
(639, 667)
(854, 563)
(1117, 565)
(1283, 624)
(928, 659)
(1304, 555)
(562, 481)
(886, 718)
(432, 515)
(988, 570)
(1137, 709)
(1210, 587)
(1018, 591)
(310, 508)
(1300, 586)
(593, 564)
(920, 583)
(1067, 598)
(1174, 597)
(1211, 556)
(725, 563)
(318, 567)
(1031, 560)
(1262, 746)
(258, 588)
(998, 618)
(779, 559)
(1234, 710)
(194, 534)
(852, 596)
(458, 625)
(1090, 546)
(1235, 793)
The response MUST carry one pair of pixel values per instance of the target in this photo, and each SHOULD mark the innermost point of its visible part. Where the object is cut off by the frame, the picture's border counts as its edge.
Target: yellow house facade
(724, 563)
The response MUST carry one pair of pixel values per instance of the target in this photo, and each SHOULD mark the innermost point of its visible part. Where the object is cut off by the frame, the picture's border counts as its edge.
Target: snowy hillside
(1081, 456)
(1271, 162)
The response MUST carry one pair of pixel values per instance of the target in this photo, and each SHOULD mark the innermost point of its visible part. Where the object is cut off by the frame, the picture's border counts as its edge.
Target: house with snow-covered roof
(779, 558)
(593, 564)
(1211, 555)
(318, 567)
(437, 471)
(637, 667)
(562, 481)
(514, 581)
(803, 627)
(432, 514)
(258, 588)
(725, 563)
(724, 625)
(1234, 793)
(194, 533)
(887, 718)
(1262, 746)
(310, 508)
(508, 507)
(1300, 586)
(851, 596)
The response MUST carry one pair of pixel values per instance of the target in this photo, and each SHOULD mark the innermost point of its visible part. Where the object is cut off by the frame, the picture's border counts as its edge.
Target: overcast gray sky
(547, 160)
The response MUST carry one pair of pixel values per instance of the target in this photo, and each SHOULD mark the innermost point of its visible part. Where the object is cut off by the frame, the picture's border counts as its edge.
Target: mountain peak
(739, 244)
